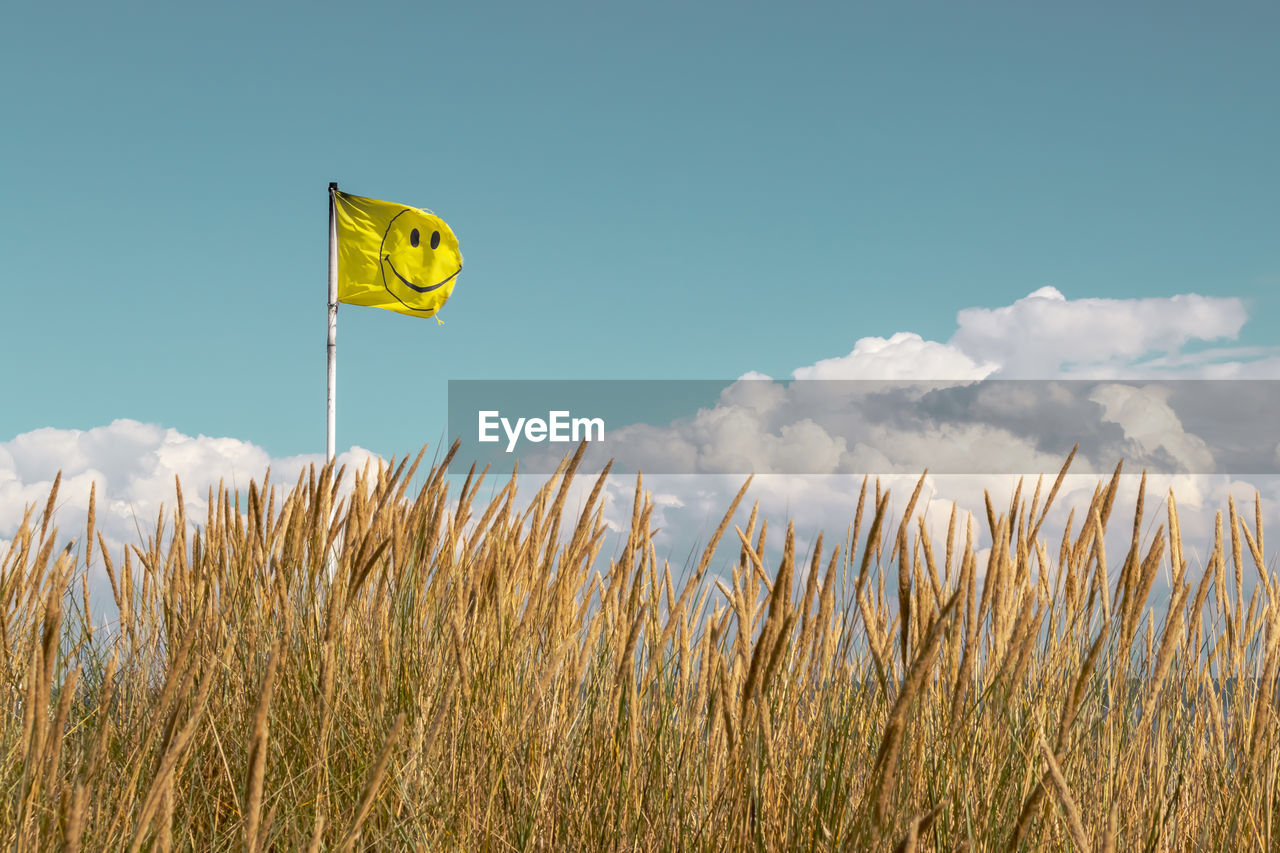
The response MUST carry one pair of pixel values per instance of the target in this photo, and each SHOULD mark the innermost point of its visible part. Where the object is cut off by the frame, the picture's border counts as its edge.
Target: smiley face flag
(393, 256)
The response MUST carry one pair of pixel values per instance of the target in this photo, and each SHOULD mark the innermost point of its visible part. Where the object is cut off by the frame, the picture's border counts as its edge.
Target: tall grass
(388, 671)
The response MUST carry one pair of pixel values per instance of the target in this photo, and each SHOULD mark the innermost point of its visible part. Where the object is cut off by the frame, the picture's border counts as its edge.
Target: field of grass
(396, 670)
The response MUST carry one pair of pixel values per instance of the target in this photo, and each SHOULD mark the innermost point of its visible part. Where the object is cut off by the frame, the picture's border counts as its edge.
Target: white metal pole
(331, 442)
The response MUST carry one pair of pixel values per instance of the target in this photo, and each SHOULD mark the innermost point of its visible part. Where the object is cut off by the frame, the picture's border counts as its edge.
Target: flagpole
(331, 437)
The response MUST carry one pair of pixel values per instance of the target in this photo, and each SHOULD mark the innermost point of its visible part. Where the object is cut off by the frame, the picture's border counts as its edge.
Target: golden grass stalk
(559, 699)
(371, 786)
(258, 754)
(1065, 799)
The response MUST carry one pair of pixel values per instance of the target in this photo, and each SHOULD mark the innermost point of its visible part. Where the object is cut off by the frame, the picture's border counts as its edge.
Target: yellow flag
(393, 256)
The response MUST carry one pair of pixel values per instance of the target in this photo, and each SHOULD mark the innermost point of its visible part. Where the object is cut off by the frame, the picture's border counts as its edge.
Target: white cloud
(762, 426)
(1147, 419)
(132, 466)
(1046, 335)
(905, 355)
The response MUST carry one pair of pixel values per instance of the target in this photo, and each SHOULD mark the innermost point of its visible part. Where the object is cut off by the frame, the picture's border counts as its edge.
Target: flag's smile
(419, 260)
(420, 288)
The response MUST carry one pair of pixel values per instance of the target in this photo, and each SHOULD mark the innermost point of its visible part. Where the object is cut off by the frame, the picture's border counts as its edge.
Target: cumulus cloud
(1147, 419)
(946, 416)
(905, 355)
(945, 425)
(940, 418)
(132, 467)
(840, 427)
(1044, 334)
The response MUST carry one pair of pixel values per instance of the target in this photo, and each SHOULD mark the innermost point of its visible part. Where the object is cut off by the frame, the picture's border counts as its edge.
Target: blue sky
(640, 191)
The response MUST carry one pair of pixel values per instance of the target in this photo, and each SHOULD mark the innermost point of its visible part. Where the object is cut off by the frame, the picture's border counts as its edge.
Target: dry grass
(384, 671)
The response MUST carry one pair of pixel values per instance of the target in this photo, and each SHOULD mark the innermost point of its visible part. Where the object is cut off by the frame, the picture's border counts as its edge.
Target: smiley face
(420, 260)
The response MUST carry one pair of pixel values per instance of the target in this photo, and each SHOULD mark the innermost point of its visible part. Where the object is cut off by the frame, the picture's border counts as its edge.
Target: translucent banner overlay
(761, 426)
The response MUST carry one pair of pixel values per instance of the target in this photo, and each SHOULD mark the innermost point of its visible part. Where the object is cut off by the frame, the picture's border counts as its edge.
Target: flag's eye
(435, 240)
(413, 237)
